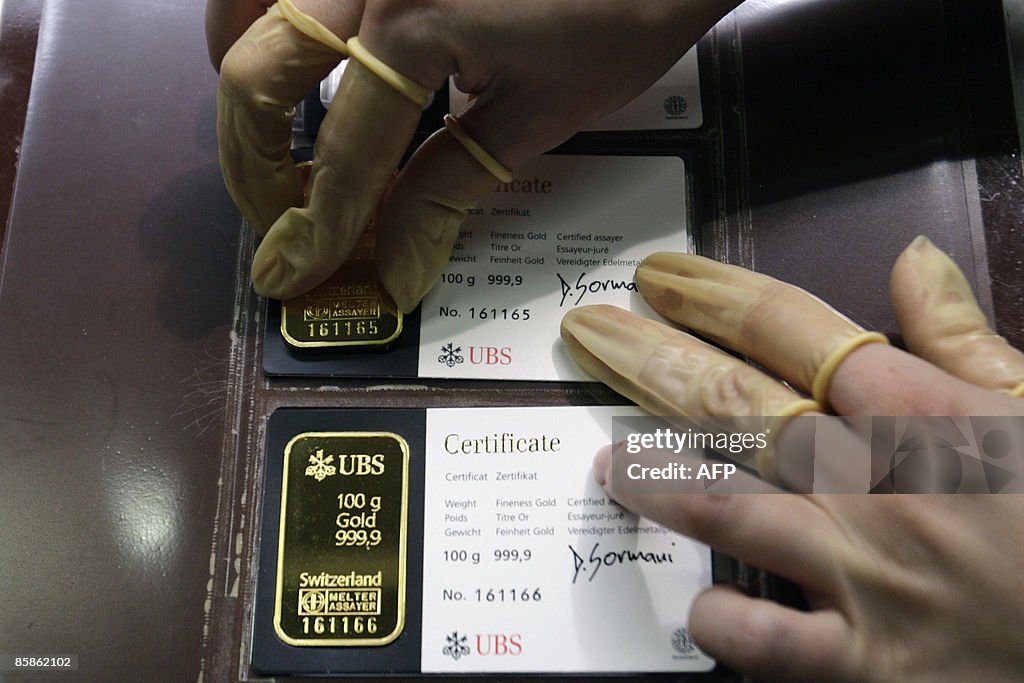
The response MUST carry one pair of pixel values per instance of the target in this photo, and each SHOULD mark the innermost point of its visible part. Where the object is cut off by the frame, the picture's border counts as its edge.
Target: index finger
(942, 322)
(788, 330)
(264, 74)
(360, 144)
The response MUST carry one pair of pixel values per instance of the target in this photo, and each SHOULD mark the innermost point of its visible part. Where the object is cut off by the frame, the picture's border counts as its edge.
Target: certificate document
(529, 567)
(568, 231)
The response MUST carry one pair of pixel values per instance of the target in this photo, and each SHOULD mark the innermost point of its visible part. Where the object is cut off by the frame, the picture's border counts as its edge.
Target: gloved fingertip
(262, 266)
(590, 326)
(602, 461)
(920, 244)
(663, 290)
(569, 323)
(684, 264)
(407, 270)
(407, 305)
(406, 298)
(925, 276)
(662, 261)
(611, 344)
(916, 253)
(271, 275)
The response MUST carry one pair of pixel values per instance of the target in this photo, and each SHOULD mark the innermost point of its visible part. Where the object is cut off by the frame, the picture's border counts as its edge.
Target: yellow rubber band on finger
(1018, 391)
(496, 168)
(765, 460)
(804, 405)
(410, 89)
(310, 26)
(823, 378)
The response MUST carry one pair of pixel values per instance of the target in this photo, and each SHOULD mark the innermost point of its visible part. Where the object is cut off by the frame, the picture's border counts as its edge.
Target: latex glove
(226, 21)
(538, 76)
(798, 338)
(900, 588)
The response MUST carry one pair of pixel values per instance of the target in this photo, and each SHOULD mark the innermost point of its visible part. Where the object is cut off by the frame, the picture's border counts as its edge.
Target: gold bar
(350, 309)
(342, 539)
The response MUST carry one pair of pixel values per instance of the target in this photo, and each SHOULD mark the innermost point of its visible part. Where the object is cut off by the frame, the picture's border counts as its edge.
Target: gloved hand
(538, 76)
(900, 588)
(798, 338)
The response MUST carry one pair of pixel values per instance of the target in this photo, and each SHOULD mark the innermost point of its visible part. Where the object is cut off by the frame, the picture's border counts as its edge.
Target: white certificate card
(567, 231)
(529, 567)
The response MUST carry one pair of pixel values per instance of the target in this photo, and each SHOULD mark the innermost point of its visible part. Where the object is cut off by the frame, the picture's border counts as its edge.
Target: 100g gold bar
(350, 309)
(342, 539)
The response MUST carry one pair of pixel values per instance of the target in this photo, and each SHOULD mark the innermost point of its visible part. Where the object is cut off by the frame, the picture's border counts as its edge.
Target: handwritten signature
(574, 292)
(595, 560)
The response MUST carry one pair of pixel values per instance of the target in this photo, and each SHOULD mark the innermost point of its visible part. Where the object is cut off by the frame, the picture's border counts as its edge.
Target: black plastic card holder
(401, 657)
(269, 654)
(400, 358)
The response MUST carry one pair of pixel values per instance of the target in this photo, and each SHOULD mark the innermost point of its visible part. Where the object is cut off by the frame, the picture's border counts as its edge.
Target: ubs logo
(499, 644)
(487, 645)
(455, 646)
(452, 355)
(490, 355)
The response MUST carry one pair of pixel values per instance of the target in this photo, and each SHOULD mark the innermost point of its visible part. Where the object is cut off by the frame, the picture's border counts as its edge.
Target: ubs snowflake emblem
(456, 646)
(450, 356)
(320, 467)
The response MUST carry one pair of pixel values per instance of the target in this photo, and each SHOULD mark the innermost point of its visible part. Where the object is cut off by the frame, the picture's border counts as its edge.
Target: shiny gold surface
(350, 309)
(342, 539)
